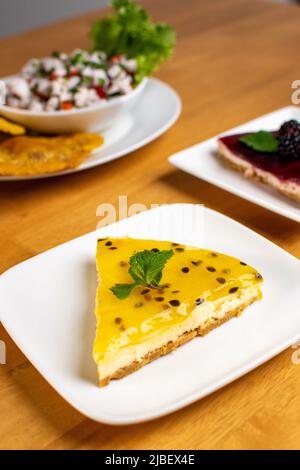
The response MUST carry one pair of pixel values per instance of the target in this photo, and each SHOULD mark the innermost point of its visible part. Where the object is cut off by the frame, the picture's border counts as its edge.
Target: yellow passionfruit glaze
(190, 277)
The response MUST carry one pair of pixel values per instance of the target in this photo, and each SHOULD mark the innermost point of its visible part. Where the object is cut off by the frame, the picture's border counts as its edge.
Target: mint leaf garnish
(122, 291)
(262, 141)
(145, 268)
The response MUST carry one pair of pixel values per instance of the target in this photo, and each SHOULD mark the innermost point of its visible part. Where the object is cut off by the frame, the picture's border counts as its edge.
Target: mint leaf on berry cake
(270, 157)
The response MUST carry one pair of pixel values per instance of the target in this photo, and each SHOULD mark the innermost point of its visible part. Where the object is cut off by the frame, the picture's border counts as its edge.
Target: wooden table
(235, 60)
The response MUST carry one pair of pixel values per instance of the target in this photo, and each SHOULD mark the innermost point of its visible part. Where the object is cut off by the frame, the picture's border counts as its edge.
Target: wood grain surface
(235, 60)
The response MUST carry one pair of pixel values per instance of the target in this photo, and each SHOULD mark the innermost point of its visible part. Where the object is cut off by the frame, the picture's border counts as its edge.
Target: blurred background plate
(156, 112)
(202, 160)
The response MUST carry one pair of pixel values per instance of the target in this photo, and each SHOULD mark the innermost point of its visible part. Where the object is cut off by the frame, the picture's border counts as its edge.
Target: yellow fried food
(28, 155)
(9, 127)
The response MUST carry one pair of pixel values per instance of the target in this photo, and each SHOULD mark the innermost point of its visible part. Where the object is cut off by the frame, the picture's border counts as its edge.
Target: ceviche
(127, 46)
(66, 81)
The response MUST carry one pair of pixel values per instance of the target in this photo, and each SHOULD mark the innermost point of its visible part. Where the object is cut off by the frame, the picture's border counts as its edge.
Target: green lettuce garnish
(130, 31)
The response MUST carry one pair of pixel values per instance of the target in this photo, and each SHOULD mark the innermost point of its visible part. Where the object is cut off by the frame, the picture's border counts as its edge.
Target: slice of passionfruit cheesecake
(154, 296)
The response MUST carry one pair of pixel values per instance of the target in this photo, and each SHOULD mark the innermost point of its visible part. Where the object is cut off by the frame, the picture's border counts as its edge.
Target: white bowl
(93, 118)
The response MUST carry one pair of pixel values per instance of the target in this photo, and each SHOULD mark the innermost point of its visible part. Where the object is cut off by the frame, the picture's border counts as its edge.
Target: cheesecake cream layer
(201, 318)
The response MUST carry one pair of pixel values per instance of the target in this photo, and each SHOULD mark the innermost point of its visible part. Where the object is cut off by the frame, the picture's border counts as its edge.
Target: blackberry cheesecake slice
(270, 157)
(153, 296)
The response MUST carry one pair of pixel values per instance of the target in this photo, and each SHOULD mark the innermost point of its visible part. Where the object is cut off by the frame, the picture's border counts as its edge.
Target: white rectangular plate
(202, 160)
(47, 302)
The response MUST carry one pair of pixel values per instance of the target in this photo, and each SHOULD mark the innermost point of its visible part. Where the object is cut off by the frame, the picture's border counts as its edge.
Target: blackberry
(289, 139)
(286, 126)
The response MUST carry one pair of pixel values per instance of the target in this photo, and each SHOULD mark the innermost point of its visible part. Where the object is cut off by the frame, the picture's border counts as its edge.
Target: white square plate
(47, 303)
(202, 160)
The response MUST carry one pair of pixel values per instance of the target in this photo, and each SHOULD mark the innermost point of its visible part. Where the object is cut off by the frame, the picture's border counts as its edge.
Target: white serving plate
(47, 302)
(202, 160)
(156, 111)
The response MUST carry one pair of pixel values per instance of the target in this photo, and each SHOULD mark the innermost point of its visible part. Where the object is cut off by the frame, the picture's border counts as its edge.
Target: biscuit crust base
(289, 189)
(172, 345)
